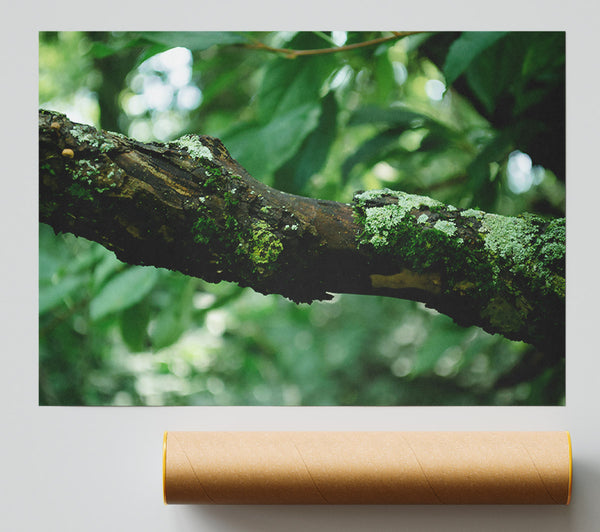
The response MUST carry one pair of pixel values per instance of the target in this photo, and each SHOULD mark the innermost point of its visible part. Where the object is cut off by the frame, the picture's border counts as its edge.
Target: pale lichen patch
(384, 220)
(194, 146)
(508, 237)
(416, 229)
(91, 137)
(553, 241)
(468, 213)
(381, 221)
(445, 227)
(406, 202)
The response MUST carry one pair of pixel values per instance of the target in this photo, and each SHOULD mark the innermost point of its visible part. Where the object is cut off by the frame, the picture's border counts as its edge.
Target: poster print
(302, 218)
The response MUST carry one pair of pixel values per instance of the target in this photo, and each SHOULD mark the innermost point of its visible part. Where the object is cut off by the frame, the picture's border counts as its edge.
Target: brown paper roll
(367, 468)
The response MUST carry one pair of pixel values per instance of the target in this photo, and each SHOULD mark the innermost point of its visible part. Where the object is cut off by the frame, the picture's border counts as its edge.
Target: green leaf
(289, 106)
(385, 83)
(105, 268)
(443, 333)
(261, 149)
(167, 329)
(372, 151)
(489, 81)
(292, 83)
(496, 150)
(85, 258)
(52, 295)
(175, 316)
(396, 116)
(101, 49)
(49, 265)
(494, 74)
(465, 49)
(194, 40)
(544, 53)
(124, 290)
(133, 324)
(379, 147)
(293, 176)
(542, 69)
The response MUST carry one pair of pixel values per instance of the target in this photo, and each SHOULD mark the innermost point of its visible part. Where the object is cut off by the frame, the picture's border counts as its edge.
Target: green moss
(553, 245)
(230, 199)
(556, 284)
(250, 251)
(502, 263)
(526, 246)
(204, 230)
(500, 314)
(420, 241)
(46, 167)
(530, 247)
(263, 247)
(48, 209)
(80, 191)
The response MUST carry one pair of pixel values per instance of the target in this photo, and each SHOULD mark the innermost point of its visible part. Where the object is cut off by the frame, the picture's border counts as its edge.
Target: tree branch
(188, 206)
(292, 54)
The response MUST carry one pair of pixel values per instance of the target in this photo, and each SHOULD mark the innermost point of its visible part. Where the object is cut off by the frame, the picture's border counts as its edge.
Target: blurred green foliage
(471, 119)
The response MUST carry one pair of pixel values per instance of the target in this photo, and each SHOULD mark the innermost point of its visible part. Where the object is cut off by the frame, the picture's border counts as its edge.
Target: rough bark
(188, 206)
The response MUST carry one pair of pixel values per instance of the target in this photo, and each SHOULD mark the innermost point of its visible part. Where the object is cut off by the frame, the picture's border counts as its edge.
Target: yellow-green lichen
(252, 250)
(263, 247)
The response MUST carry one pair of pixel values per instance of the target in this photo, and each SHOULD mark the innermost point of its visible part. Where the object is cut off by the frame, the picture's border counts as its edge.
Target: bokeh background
(473, 119)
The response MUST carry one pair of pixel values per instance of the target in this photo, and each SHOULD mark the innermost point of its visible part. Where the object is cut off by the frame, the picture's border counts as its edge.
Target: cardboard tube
(367, 467)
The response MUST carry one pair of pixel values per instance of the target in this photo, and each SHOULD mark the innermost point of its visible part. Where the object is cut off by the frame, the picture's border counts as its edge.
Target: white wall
(99, 469)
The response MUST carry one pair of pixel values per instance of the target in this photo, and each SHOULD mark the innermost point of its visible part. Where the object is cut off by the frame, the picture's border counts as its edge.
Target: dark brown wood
(189, 206)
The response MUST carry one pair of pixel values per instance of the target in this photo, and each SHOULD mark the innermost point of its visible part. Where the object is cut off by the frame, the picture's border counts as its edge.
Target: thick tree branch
(188, 206)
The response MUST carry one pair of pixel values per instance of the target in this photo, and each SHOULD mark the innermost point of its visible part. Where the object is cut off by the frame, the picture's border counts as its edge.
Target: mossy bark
(188, 206)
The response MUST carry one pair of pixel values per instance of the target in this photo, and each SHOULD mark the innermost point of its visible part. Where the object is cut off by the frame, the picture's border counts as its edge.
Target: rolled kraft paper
(367, 467)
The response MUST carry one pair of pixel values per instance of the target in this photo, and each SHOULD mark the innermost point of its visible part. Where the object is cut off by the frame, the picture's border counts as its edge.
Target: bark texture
(188, 206)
